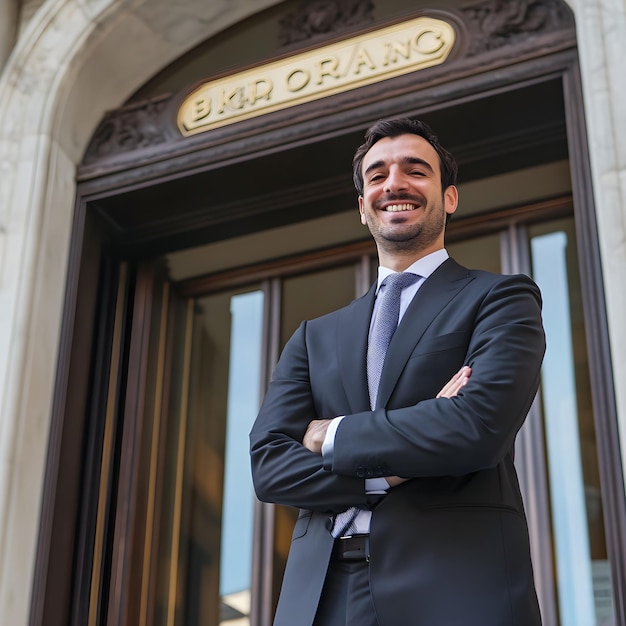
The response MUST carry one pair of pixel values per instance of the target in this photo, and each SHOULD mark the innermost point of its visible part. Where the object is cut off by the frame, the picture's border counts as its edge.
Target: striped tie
(384, 327)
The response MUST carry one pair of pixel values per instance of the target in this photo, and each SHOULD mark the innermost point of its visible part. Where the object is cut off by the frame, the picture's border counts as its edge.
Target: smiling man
(403, 198)
(391, 423)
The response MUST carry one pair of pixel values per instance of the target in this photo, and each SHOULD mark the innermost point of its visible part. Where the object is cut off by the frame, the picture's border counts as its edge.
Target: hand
(456, 383)
(314, 435)
(450, 389)
(394, 481)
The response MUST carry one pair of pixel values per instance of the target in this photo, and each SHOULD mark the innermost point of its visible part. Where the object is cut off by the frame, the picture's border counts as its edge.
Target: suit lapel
(352, 332)
(440, 287)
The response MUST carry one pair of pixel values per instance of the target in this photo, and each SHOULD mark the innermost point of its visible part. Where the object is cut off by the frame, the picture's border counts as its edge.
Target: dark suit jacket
(449, 547)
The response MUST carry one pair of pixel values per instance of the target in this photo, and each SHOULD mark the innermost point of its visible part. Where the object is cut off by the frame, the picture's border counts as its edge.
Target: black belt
(354, 548)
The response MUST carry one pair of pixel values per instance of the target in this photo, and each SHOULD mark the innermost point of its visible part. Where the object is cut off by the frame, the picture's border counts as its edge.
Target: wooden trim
(310, 123)
(145, 615)
(598, 345)
(530, 449)
(495, 221)
(122, 598)
(313, 261)
(290, 266)
(107, 454)
(180, 466)
(464, 63)
(58, 570)
(136, 231)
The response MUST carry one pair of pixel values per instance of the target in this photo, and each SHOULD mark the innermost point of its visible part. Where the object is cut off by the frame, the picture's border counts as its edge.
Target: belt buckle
(355, 548)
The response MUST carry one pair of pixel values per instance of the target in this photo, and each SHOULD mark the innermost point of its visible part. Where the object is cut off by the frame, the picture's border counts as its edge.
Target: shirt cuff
(376, 485)
(328, 446)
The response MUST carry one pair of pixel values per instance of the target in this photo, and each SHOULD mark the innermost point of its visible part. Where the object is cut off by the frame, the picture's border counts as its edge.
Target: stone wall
(52, 96)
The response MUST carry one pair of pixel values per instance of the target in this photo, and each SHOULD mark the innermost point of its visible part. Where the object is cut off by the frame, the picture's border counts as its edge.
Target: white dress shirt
(423, 267)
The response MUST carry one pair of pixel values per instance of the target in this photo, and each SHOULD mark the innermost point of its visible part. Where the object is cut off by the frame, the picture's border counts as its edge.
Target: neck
(400, 261)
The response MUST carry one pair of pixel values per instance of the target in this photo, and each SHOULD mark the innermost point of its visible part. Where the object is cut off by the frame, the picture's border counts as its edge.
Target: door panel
(205, 556)
(556, 449)
(192, 547)
(479, 252)
(581, 561)
(313, 294)
(154, 339)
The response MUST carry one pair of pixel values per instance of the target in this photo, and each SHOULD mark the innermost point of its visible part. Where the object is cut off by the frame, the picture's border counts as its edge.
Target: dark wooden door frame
(598, 346)
(100, 242)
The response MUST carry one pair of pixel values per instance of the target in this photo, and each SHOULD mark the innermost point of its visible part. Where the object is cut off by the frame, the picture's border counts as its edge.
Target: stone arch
(52, 96)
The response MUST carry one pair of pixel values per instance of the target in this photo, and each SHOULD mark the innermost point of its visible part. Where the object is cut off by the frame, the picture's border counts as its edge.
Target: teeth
(400, 207)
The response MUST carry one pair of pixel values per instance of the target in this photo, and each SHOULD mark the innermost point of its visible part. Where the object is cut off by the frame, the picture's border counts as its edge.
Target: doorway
(180, 273)
(210, 553)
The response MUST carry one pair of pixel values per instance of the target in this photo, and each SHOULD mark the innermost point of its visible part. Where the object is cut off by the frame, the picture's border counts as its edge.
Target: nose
(396, 181)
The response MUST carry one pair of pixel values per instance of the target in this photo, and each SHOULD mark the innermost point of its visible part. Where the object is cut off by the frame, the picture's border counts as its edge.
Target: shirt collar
(422, 267)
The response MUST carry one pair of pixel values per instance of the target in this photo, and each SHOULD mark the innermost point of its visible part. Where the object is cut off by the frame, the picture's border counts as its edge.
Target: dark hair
(394, 128)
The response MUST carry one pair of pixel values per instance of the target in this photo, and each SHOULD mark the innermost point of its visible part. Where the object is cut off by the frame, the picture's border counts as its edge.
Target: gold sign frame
(362, 60)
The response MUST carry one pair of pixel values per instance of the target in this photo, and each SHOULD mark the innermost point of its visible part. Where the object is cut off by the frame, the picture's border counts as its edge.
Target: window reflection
(244, 381)
(205, 548)
(582, 568)
(212, 581)
(571, 541)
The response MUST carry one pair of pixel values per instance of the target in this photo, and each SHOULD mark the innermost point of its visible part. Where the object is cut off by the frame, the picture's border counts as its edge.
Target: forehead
(398, 149)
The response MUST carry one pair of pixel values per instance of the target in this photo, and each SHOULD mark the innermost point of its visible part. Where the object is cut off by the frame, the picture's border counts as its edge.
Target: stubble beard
(414, 238)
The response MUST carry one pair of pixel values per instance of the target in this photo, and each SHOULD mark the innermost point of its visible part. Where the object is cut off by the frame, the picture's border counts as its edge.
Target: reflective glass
(582, 568)
(207, 508)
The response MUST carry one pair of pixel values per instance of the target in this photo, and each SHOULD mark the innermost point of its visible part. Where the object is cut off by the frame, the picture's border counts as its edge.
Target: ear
(450, 199)
(362, 211)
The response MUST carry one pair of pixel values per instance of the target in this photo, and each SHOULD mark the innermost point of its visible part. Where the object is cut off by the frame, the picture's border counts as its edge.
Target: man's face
(402, 203)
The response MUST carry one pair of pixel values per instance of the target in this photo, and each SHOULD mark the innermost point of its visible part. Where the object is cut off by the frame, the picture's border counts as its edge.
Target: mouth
(398, 208)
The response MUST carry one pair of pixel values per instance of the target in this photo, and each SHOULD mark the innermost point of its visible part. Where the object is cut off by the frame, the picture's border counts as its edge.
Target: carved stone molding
(496, 23)
(317, 18)
(129, 128)
(509, 26)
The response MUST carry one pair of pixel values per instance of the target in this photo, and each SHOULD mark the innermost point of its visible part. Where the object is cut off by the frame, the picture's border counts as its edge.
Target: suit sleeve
(476, 429)
(283, 470)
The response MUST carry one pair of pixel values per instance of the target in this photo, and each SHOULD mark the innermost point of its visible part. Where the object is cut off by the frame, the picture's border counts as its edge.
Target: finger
(451, 383)
(394, 481)
(456, 383)
(314, 435)
(452, 391)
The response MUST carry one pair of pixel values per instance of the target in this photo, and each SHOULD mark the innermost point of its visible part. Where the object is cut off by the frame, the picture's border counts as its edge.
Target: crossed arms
(316, 430)
(432, 429)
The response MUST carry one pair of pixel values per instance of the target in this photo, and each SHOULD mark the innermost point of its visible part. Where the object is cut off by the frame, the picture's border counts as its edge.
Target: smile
(400, 207)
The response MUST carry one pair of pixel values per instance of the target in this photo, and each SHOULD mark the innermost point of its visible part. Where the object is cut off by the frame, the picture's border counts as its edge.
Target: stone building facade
(70, 70)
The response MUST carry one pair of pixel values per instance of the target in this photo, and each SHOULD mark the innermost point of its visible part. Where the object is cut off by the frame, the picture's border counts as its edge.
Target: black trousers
(346, 599)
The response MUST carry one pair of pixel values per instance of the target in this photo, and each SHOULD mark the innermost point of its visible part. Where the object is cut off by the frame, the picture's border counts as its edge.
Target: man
(443, 539)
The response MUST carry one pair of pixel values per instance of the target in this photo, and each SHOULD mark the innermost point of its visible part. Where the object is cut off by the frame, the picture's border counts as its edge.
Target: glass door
(204, 563)
(219, 555)
(232, 559)
(193, 547)
(583, 579)
(556, 451)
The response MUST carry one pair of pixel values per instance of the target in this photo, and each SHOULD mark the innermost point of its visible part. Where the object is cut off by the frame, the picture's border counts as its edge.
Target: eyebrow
(406, 160)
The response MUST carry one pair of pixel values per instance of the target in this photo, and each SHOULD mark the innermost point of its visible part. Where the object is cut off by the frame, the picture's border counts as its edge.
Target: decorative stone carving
(323, 17)
(130, 128)
(495, 23)
(490, 24)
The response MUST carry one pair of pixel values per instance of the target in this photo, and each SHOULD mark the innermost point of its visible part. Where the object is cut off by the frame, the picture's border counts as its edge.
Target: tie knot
(399, 280)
